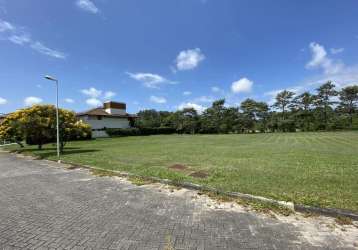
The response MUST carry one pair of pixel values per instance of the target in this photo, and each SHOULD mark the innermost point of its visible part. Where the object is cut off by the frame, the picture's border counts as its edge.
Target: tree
(71, 128)
(37, 124)
(305, 111)
(212, 118)
(255, 114)
(189, 120)
(323, 99)
(303, 101)
(349, 100)
(11, 128)
(262, 114)
(148, 119)
(283, 100)
(231, 120)
(163, 117)
(302, 105)
(249, 109)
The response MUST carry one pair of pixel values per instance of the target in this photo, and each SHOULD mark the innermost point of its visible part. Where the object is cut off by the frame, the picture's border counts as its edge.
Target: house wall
(106, 122)
(113, 111)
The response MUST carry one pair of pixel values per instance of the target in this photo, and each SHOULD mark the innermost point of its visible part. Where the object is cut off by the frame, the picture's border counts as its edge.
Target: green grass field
(319, 169)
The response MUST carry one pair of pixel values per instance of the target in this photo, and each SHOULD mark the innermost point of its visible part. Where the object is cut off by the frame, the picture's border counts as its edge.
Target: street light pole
(57, 121)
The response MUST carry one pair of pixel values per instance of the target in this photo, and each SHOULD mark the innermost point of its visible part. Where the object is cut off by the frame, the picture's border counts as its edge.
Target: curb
(192, 186)
(330, 212)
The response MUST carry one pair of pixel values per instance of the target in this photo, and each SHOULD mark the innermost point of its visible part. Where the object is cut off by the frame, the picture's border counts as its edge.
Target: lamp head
(50, 78)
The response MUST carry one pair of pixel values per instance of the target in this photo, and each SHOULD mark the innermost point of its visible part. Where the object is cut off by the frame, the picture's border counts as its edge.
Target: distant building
(111, 115)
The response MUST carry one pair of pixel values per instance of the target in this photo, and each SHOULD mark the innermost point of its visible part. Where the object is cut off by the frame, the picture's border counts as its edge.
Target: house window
(99, 117)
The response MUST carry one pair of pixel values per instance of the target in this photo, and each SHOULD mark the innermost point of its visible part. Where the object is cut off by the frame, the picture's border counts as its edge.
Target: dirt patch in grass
(199, 174)
(102, 173)
(178, 167)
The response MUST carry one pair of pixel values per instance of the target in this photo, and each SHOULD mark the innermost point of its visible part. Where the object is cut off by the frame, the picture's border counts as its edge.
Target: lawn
(319, 169)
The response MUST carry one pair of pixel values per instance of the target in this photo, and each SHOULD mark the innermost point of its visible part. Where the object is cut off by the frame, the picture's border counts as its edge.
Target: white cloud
(69, 100)
(150, 80)
(336, 50)
(87, 5)
(20, 39)
(337, 72)
(94, 102)
(215, 89)
(158, 99)
(333, 70)
(321, 60)
(204, 99)
(186, 93)
(109, 94)
(2, 101)
(96, 96)
(31, 100)
(348, 75)
(319, 55)
(189, 59)
(6, 26)
(243, 85)
(39, 47)
(92, 92)
(273, 92)
(218, 91)
(199, 108)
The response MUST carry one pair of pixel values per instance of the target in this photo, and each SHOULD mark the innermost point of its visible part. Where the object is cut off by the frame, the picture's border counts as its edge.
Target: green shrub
(122, 131)
(157, 131)
(139, 131)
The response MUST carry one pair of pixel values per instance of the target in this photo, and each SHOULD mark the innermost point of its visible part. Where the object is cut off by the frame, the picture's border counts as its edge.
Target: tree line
(326, 109)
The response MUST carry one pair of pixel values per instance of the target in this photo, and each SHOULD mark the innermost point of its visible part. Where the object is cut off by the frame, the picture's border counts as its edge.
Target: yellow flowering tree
(11, 128)
(37, 124)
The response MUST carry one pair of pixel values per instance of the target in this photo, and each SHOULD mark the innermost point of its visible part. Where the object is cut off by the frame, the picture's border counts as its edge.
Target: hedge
(139, 131)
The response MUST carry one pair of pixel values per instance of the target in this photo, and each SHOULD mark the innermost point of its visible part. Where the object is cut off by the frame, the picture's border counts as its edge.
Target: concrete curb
(192, 186)
(330, 212)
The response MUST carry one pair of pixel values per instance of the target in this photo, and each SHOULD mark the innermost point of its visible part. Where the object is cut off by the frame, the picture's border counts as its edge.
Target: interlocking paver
(45, 206)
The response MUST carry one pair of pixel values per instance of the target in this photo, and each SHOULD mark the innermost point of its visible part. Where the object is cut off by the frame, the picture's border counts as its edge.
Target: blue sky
(169, 54)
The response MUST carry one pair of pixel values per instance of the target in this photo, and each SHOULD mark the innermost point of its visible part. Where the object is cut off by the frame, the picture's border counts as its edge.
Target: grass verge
(315, 169)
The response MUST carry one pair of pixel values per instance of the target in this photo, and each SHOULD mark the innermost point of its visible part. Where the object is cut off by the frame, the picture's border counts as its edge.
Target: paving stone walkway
(45, 206)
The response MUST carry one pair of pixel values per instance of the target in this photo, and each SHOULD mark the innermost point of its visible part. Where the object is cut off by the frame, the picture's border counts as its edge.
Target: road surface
(43, 205)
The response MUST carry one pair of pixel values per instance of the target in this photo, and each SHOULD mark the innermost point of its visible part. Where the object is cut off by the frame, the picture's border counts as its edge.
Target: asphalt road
(45, 206)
